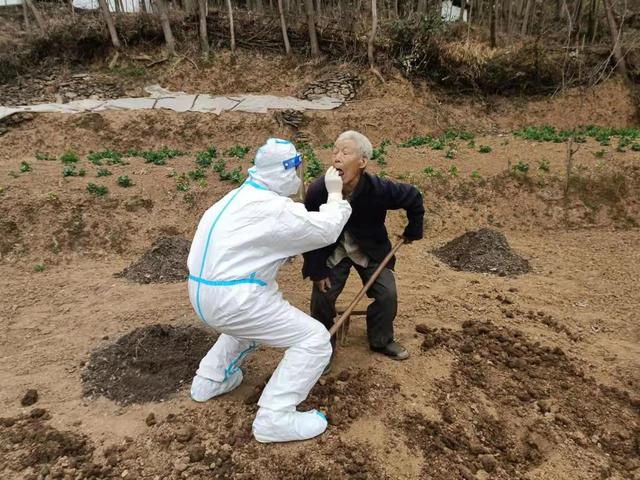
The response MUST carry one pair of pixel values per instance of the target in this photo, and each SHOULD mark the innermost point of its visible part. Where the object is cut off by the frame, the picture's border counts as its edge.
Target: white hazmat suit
(240, 244)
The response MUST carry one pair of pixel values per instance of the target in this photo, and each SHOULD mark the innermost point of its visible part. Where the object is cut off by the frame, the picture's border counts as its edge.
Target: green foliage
(544, 166)
(124, 181)
(82, 172)
(379, 154)
(438, 143)
(220, 166)
(69, 156)
(521, 167)
(471, 144)
(475, 174)
(39, 267)
(432, 172)
(313, 167)
(206, 158)
(599, 154)
(109, 156)
(182, 183)
(103, 172)
(24, 167)
(327, 146)
(453, 171)
(70, 171)
(44, 157)
(451, 154)
(234, 176)
(547, 133)
(484, 149)
(157, 157)
(196, 174)
(238, 151)
(97, 190)
(635, 147)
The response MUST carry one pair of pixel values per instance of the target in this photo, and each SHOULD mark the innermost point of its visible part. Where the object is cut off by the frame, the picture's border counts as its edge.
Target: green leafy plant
(206, 158)
(103, 172)
(599, 154)
(521, 167)
(44, 157)
(475, 174)
(39, 267)
(69, 171)
(109, 156)
(234, 176)
(327, 146)
(220, 166)
(471, 144)
(182, 183)
(97, 190)
(24, 167)
(379, 154)
(124, 181)
(432, 172)
(157, 157)
(635, 147)
(484, 149)
(238, 151)
(544, 166)
(453, 171)
(313, 166)
(69, 156)
(196, 174)
(451, 154)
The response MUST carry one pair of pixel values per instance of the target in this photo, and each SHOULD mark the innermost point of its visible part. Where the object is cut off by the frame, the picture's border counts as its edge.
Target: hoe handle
(366, 287)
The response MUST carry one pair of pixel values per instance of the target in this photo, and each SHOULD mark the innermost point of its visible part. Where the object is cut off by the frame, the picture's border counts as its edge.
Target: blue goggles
(292, 162)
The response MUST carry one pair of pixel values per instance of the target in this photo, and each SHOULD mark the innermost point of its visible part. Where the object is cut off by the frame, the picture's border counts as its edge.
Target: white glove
(333, 182)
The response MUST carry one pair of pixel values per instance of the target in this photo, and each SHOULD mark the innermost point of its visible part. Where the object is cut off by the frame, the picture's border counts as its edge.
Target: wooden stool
(343, 331)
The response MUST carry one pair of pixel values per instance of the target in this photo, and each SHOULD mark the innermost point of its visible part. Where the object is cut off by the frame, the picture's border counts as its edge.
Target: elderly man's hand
(323, 285)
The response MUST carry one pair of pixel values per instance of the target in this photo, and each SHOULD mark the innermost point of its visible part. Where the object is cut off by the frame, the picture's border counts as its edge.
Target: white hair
(363, 143)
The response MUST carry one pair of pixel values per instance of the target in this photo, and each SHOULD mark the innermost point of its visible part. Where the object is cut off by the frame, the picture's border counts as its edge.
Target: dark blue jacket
(370, 201)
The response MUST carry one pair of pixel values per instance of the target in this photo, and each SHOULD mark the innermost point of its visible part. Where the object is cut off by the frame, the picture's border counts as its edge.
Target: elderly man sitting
(363, 243)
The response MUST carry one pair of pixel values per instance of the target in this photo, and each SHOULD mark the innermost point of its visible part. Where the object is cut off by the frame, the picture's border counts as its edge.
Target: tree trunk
(319, 8)
(106, 14)
(36, 15)
(492, 22)
(231, 27)
(591, 27)
(463, 6)
(191, 7)
(509, 27)
(395, 12)
(25, 13)
(259, 7)
(422, 7)
(615, 38)
(283, 24)
(204, 40)
(525, 19)
(313, 36)
(372, 36)
(558, 10)
(161, 5)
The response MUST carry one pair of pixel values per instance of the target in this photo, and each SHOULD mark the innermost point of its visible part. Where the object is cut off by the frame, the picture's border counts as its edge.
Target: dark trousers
(380, 314)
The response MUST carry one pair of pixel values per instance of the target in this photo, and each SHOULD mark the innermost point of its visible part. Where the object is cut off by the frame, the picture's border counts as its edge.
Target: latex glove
(333, 182)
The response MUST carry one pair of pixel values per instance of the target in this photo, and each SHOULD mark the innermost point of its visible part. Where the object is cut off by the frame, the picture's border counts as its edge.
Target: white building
(451, 10)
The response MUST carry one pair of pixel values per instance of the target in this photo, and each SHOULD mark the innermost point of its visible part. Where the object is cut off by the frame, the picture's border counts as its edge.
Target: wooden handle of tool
(366, 287)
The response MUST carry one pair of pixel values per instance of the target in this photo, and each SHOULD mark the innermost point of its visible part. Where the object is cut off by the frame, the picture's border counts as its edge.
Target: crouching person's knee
(320, 340)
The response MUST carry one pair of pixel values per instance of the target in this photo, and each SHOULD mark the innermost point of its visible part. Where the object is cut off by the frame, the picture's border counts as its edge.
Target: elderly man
(363, 243)
(240, 244)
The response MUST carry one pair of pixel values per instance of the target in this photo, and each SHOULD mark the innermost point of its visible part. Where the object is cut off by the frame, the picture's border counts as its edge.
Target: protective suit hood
(276, 165)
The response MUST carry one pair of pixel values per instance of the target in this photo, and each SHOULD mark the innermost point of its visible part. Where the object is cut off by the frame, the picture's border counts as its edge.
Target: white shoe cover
(286, 426)
(203, 389)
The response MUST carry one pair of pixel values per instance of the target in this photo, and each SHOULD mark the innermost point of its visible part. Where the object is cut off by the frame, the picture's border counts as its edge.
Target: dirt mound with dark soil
(483, 251)
(510, 403)
(164, 262)
(343, 397)
(147, 364)
(30, 446)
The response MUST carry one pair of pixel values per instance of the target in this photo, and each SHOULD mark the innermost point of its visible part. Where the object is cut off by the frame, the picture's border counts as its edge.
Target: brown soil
(166, 261)
(146, 365)
(545, 386)
(483, 251)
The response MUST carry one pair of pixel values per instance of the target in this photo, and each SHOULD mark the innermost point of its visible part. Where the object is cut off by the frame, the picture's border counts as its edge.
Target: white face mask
(291, 186)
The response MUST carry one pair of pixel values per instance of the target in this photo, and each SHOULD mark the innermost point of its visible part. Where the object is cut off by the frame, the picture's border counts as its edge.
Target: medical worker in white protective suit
(239, 245)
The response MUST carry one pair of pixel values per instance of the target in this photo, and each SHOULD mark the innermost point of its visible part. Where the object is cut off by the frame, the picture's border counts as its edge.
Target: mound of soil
(164, 262)
(483, 251)
(28, 443)
(510, 403)
(147, 364)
